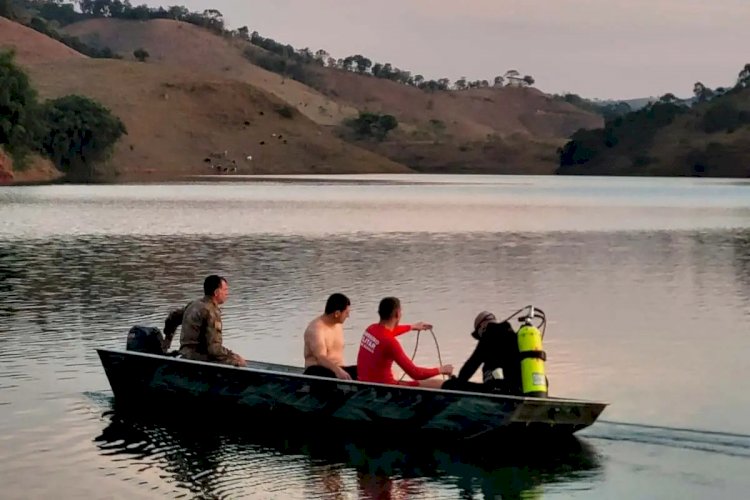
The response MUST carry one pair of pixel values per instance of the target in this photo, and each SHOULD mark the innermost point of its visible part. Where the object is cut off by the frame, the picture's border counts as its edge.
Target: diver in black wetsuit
(497, 352)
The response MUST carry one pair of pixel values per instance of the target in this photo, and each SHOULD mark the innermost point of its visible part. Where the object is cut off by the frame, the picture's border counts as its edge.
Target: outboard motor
(146, 339)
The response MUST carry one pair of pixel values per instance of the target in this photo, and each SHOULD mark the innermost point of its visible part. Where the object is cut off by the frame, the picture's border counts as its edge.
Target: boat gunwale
(520, 399)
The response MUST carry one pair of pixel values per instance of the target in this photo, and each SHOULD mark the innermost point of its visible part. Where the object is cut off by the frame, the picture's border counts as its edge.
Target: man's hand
(446, 370)
(343, 374)
(421, 326)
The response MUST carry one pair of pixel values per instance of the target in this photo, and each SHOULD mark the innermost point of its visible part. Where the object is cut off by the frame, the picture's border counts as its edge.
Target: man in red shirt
(379, 348)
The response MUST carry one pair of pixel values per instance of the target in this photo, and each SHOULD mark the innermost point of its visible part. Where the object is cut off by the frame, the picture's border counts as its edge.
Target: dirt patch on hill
(6, 169)
(36, 170)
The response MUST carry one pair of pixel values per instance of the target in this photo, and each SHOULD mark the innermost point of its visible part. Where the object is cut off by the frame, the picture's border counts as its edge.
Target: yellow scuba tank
(533, 378)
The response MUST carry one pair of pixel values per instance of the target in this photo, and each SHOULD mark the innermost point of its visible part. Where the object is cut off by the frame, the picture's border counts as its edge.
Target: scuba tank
(532, 355)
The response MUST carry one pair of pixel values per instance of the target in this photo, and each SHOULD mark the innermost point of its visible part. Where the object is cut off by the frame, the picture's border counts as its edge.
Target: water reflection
(741, 259)
(231, 459)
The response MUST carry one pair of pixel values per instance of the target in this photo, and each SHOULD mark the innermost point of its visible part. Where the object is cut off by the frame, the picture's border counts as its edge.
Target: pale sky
(595, 48)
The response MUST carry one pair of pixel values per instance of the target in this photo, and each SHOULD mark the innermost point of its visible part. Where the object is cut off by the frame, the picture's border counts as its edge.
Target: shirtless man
(324, 341)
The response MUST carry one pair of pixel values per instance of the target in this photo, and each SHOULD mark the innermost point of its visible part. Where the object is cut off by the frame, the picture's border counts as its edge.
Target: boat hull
(283, 392)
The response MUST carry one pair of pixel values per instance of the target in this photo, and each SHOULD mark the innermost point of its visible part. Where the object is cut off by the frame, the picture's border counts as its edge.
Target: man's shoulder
(374, 328)
(314, 326)
(191, 305)
(501, 328)
(377, 331)
(502, 333)
(203, 304)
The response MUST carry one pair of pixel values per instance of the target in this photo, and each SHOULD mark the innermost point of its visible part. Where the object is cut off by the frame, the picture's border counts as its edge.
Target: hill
(186, 122)
(197, 49)
(470, 114)
(31, 47)
(481, 130)
(183, 123)
(487, 130)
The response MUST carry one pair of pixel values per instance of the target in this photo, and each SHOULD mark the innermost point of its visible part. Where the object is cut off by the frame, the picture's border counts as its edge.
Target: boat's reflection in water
(202, 455)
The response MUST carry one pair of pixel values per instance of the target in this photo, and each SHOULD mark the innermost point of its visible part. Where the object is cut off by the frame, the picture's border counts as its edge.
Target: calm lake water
(645, 282)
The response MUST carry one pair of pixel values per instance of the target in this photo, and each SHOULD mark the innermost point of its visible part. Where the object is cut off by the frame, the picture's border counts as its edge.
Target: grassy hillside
(31, 47)
(182, 121)
(176, 43)
(200, 101)
(469, 114)
(506, 129)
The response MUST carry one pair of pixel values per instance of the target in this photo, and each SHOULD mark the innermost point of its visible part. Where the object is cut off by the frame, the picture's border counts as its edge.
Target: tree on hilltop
(743, 79)
(702, 93)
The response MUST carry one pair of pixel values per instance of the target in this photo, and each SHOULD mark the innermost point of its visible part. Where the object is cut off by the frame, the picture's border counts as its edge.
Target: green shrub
(80, 132)
(374, 125)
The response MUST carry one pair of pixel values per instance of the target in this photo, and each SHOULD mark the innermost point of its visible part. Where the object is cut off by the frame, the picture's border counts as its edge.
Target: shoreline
(385, 177)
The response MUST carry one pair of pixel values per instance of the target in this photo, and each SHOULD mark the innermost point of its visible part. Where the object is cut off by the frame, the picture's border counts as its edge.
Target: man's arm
(471, 365)
(406, 364)
(418, 327)
(316, 344)
(402, 329)
(174, 319)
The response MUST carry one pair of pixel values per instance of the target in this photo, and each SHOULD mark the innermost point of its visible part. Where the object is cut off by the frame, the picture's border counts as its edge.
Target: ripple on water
(721, 443)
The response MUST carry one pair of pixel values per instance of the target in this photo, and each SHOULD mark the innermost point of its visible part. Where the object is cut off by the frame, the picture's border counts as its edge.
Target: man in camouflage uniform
(200, 337)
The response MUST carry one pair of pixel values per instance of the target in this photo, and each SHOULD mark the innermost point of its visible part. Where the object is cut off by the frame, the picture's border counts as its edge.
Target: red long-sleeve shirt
(378, 349)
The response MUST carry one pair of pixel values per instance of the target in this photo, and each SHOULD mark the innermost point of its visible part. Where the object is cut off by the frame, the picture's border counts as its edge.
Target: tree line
(608, 110)
(286, 60)
(633, 132)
